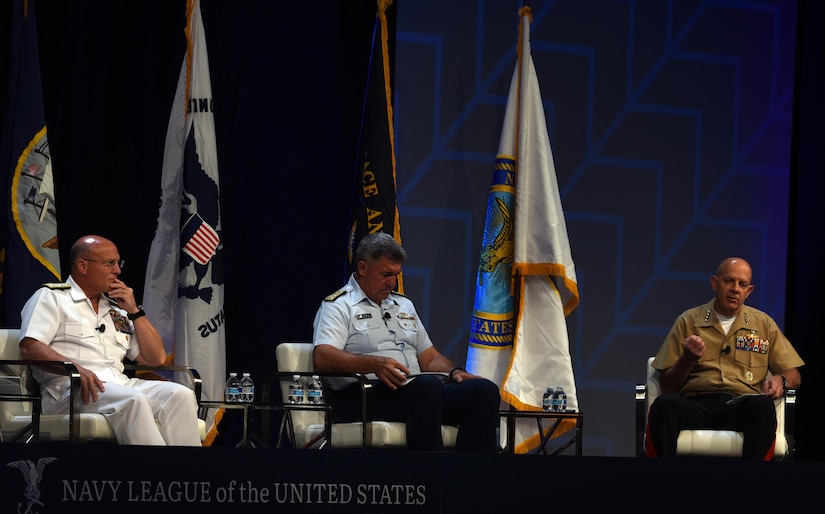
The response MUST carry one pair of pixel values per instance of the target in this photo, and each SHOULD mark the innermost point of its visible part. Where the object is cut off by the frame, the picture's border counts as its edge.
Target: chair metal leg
(641, 419)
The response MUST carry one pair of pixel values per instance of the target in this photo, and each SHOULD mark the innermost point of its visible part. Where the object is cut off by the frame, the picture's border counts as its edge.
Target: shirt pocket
(366, 334)
(123, 340)
(408, 322)
(752, 366)
(80, 340)
(750, 359)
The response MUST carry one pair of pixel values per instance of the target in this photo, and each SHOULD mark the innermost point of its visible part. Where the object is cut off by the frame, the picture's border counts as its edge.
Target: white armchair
(306, 427)
(713, 443)
(20, 416)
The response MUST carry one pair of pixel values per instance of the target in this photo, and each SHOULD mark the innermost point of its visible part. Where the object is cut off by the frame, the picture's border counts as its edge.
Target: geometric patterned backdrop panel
(670, 124)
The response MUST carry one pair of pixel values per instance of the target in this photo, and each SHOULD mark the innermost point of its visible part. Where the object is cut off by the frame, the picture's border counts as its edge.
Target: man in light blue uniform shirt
(367, 327)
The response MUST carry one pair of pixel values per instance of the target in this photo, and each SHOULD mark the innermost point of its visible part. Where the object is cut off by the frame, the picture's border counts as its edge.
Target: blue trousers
(424, 405)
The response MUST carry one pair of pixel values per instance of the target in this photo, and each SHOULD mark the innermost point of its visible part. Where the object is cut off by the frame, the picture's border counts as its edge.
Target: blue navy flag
(28, 233)
(184, 293)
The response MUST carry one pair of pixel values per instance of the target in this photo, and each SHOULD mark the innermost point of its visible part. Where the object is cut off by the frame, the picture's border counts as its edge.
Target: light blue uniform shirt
(350, 321)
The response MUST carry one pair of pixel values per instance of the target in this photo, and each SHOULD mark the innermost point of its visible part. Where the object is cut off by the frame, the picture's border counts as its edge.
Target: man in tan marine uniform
(717, 352)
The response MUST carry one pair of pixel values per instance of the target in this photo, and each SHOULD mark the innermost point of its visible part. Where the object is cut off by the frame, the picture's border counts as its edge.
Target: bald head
(735, 263)
(732, 284)
(87, 245)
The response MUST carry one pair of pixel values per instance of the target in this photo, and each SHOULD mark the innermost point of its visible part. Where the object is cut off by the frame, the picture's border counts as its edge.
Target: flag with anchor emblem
(28, 232)
(526, 282)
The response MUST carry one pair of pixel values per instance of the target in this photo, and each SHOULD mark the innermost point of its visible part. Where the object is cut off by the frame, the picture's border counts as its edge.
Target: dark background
(682, 133)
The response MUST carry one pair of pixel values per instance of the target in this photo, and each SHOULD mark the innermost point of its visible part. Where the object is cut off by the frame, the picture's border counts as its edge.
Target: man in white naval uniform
(94, 321)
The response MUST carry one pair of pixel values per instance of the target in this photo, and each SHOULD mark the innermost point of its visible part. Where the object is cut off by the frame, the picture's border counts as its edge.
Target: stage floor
(108, 478)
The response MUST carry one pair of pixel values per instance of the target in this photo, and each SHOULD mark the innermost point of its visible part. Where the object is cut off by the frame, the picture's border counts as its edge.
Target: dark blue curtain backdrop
(805, 280)
(683, 132)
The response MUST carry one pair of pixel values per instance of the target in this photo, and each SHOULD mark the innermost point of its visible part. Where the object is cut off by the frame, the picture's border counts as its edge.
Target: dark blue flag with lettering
(374, 203)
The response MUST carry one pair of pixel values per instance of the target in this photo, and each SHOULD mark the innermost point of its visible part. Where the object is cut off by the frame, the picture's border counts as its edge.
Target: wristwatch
(139, 313)
(784, 384)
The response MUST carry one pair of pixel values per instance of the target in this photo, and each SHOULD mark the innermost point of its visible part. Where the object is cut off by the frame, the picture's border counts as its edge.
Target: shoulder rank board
(337, 294)
(57, 285)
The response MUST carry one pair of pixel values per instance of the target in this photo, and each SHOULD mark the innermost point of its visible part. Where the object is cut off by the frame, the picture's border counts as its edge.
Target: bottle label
(232, 394)
(296, 394)
(560, 400)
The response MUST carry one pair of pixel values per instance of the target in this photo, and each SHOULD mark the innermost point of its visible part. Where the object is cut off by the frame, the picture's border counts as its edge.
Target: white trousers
(132, 408)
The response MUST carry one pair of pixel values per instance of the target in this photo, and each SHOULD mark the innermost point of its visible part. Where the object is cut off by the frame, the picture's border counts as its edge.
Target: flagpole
(524, 11)
(515, 289)
(385, 68)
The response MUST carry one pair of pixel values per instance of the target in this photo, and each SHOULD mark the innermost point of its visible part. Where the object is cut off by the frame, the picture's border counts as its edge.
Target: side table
(287, 429)
(246, 438)
(557, 417)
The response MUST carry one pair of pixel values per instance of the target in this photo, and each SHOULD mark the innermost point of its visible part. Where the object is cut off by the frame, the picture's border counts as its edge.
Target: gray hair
(373, 247)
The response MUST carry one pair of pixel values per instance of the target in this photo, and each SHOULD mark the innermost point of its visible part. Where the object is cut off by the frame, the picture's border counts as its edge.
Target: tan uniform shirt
(757, 346)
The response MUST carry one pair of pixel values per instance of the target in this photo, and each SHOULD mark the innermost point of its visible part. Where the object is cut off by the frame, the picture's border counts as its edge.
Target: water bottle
(315, 391)
(296, 390)
(559, 400)
(547, 399)
(233, 389)
(247, 389)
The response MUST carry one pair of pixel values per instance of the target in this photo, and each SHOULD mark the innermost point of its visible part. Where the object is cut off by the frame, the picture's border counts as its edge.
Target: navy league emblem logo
(32, 474)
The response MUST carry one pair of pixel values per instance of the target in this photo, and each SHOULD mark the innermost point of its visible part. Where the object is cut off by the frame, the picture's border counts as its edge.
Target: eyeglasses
(109, 264)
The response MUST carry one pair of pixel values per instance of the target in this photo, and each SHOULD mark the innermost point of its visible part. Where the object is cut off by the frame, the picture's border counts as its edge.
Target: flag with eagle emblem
(526, 283)
(184, 291)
